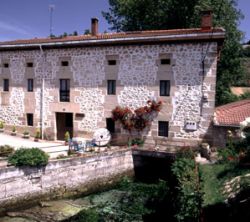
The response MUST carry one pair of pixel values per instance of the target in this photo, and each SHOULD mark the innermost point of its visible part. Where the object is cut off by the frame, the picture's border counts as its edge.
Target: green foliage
(134, 15)
(29, 157)
(1, 125)
(89, 215)
(86, 32)
(189, 196)
(67, 136)
(136, 141)
(25, 133)
(128, 202)
(14, 129)
(38, 134)
(6, 150)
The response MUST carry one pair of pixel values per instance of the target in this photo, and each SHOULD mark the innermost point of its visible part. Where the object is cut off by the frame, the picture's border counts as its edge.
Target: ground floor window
(30, 119)
(163, 128)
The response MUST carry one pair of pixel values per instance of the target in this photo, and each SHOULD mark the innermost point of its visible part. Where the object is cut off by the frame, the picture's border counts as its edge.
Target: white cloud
(6, 26)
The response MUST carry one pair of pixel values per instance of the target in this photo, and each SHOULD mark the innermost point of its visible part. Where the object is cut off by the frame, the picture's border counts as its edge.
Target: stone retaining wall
(60, 178)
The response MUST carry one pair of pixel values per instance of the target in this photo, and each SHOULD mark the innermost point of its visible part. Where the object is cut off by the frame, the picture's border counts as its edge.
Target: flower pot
(1, 130)
(13, 134)
(27, 136)
(36, 139)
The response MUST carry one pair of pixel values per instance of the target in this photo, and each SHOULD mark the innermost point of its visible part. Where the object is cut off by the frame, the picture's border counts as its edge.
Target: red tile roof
(174, 34)
(233, 113)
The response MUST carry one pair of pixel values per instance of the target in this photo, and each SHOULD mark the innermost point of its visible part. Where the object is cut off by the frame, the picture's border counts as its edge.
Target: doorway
(64, 123)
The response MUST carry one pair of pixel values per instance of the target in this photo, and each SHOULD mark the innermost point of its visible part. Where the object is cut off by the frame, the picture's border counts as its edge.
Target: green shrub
(6, 151)
(188, 194)
(137, 141)
(14, 129)
(89, 215)
(67, 136)
(29, 157)
(1, 125)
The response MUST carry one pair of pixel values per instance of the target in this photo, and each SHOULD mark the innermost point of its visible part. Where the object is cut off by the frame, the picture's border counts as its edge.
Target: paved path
(52, 148)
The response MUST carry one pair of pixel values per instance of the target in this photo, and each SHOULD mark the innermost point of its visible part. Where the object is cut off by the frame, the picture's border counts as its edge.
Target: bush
(6, 151)
(188, 196)
(137, 141)
(1, 125)
(29, 157)
(89, 215)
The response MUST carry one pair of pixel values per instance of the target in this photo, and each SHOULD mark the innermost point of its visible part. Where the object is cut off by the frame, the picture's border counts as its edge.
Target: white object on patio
(102, 137)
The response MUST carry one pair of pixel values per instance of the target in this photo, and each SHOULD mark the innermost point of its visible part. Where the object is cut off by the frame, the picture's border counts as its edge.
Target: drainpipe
(42, 94)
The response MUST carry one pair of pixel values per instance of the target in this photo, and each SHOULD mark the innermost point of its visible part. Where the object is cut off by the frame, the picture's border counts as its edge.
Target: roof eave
(217, 36)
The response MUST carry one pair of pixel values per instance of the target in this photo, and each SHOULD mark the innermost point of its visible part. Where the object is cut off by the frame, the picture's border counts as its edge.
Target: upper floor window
(65, 63)
(30, 85)
(111, 87)
(64, 90)
(112, 62)
(164, 87)
(29, 64)
(6, 85)
(165, 61)
(163, 128)
(6, 65)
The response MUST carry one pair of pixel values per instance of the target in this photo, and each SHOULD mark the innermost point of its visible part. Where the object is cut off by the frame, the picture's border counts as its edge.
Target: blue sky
(21, 19)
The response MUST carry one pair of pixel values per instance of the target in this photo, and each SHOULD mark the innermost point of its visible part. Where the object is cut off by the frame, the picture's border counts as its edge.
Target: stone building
(227, 118)
(73, 83)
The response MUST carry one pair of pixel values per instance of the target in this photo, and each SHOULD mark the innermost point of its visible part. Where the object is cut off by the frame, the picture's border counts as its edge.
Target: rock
(44, 204)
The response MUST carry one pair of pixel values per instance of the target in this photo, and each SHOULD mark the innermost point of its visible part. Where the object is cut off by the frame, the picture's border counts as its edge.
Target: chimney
(206, 19)
(94, 26)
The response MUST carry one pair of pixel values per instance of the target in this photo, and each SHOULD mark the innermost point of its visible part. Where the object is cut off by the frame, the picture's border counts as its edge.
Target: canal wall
(62, 178)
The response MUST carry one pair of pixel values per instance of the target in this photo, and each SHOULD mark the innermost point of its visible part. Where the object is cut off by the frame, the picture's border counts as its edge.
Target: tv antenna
(51, 10)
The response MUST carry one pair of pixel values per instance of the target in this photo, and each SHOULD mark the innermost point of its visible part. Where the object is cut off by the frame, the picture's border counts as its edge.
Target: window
(6, 65)
(64, 90)
(30, 119)
(111, 87)
(164, 87)
(65, 63)
(165, 61)
(110, 125)
(163, 128)
(6, 85)
(112, 62)
(30, 85)
(30, 64)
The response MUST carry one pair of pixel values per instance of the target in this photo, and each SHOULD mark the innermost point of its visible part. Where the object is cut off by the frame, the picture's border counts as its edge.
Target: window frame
(111, 87)
(112, 62)
(6, 85)
(164, 132)
(64, 94)
(30, 85)
(30, 119)
(166, 85)
(64, 63)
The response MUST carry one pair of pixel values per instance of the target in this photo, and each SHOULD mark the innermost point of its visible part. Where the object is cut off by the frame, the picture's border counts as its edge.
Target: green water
(127, 202)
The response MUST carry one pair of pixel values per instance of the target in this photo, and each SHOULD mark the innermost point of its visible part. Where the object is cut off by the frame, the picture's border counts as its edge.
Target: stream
(129, 201)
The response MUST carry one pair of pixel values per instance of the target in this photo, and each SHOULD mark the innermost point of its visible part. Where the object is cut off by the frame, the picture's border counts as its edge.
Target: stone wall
(137, 72)
(63, 177)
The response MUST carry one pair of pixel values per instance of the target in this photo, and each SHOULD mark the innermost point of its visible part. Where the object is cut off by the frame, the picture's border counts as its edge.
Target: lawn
(214, 177)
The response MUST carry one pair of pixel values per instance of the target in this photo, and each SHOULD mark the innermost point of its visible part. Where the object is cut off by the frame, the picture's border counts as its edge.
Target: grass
(214, 177)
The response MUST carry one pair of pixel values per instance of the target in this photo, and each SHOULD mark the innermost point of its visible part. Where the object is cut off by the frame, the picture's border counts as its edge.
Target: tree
(131, 15)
